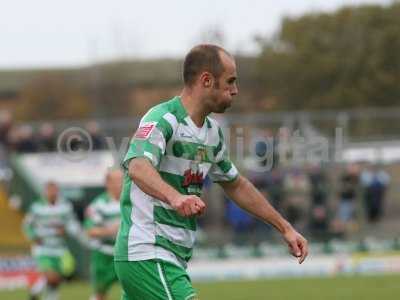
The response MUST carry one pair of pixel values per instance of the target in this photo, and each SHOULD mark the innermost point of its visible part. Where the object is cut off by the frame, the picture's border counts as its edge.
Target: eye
(231, 80)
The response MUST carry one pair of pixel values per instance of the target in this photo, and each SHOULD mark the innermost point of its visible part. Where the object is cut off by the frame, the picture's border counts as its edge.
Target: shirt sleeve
(150, 138)
(222, 169)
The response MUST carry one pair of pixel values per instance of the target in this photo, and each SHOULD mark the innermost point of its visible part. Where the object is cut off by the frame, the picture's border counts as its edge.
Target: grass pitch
(338, 288)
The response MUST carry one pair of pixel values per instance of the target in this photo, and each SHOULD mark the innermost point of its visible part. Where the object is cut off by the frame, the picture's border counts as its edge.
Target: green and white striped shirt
(184, 155)
(44, 222)
(103, 211)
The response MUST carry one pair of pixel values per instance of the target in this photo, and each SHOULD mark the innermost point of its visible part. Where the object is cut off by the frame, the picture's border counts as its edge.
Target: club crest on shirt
(201, 155)
(193, 177)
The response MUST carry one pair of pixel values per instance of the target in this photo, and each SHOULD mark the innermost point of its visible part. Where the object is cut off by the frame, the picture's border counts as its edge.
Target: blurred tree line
(51, 95)
(349, 58)
(344, 59)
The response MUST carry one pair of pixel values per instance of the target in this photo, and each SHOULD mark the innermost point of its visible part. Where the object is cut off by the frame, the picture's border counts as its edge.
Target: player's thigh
(102, 272)
(49, 267)
(139, 280)
(177, 281)
(154, 280)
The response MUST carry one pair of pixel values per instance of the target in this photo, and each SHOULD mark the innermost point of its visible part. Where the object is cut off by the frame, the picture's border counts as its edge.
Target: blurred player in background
(47, 224)
(175, 147)
(102, 223)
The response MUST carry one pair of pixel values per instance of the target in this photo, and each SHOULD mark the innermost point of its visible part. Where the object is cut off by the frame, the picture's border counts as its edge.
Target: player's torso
(189, 155)
(50, 223)
(108, 211)
(151, 228)
(51, 216)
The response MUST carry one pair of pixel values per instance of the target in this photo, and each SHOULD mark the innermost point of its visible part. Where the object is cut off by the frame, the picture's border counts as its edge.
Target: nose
(234, 90)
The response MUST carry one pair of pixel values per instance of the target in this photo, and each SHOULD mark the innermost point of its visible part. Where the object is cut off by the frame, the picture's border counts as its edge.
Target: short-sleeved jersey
(102, 211)
(184, 155)
(44, 222)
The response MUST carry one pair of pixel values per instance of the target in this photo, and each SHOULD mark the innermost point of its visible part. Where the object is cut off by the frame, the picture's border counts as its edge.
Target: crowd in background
(315, 200)
(319, 202)
(24, 138)
(326, 200)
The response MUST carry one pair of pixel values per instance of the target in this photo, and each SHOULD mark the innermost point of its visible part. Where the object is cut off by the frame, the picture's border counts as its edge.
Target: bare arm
(146, 177)
(103, 231)
(244, 193)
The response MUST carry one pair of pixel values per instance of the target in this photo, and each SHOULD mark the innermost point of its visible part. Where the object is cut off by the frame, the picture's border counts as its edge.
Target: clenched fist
(188, 205)
(297, 244)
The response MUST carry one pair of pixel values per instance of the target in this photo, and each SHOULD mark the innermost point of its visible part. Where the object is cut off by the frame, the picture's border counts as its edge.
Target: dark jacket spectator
(348, 187)
(47, 138)
(375, 183)
(25, 141)
(98, 140)
(319, 216)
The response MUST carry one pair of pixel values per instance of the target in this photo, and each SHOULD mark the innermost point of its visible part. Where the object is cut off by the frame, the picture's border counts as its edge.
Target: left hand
(297, 244)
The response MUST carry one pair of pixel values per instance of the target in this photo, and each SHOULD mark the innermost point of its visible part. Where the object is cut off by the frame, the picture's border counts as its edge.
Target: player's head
(211, 71)
(114, 179)
(51, 191)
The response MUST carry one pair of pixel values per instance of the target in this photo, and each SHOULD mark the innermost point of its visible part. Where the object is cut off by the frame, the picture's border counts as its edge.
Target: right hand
(188, 205)
(60, 231)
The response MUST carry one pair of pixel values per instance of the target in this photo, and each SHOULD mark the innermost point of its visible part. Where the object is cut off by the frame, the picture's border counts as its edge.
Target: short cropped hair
(51, 183)
(202, 58)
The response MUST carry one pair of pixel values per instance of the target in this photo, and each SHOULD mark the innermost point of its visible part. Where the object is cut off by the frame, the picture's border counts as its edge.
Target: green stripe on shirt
(172, 218)
(180, 251)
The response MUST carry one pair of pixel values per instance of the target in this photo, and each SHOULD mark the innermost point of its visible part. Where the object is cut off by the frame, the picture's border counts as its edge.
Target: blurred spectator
(13, 138)
(257, 167)
(22, 140)
(319, 217)
(240, 221)
(374, 182)
(6, 123)
(348, 187)
(319, 222)
(266, 179)
(27, 143)
(297, 194)
(319, 186)
(98, 139)
(46, 138)
(274, 186)
(283, 151)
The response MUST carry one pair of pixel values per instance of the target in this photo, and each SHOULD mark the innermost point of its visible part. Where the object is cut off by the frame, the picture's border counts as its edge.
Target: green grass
(338, 288)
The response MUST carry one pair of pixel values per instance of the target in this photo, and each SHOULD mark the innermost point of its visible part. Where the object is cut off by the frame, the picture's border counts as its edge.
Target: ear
(206, 79)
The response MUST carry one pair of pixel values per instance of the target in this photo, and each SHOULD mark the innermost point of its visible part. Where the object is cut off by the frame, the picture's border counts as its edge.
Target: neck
(194, 106)
(113, 196)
